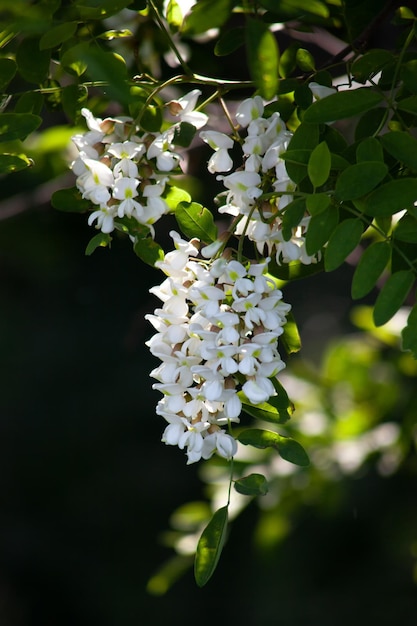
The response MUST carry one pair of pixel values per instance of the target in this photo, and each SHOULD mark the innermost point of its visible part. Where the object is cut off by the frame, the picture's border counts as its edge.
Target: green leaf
(317, 203)
(151, 119)
(174, 195)
(320, 228)
(408, 104)
(73, 59)
(343, 241)
(32, 63)
(56, 35)
(305, 139)
(402, 146)
(122, 33)
(148, 250)
(252, 485)
(207, 14)
(409, 333)
(210, 546)
(230, 41)
(265, 411)
(184, 134)
(110, 68)
(369, 123)
(17, 125)
(289, 9)
(74, 97)
(319, 164)
(392, 295)
(369, 149)
(409, 75)
(357, 180)
(294, 213)
(70, 201)
(370, 267)
(305, 60)
(14, 163)
(341, 105)
(392, 197)
(100, 9)
(406, 229)
(369, 64)
(290, 339)
(102, 240)
(174, 15)
(288, 448)
(29, 102)
(196, 221)
(8, 69)
(263, 57)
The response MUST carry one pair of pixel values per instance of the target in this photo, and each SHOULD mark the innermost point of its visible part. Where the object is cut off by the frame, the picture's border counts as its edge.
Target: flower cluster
(262, 173)
(124, 171)
(217, 334)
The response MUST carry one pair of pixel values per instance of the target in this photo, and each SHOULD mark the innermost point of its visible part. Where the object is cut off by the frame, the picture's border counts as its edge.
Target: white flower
(320, 91)
(184, 109)
(104, 217)
(249, 109)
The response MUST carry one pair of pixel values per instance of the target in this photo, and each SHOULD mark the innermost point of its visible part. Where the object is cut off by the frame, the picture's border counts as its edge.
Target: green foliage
(370, 267)
(342, 242)
(342, 105)
(288, 448)
(196, 221)
(252, 485)
(392, 295)
(210, 547)
(263, 57)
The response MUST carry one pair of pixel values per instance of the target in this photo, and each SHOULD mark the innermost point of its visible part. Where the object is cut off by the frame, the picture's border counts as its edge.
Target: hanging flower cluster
(262, 173)
(217, 334)
(124, 171)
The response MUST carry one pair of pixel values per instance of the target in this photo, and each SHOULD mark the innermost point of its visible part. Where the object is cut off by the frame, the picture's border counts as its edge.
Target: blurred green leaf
(14, 162)
(109, 68)
(409, 333)
(73, 98)
(73, 59)
(184, 134)
(263, 57)
(408, 104)
(32, 62)
(151, 118)
(230, 41)
(370, 267)
(174, 15)
(291, 337)
(100, 9)
(252, 485)
(8, 69)
(30, 102)
(343, 241)
(265, 411)
(70, 201)
(174, 195)
(409, 75)
(319, 164)
(289, 9)
(121, 33)
(392, 197)
(210, 546)
(305, 60)
(206, 14)
(320, 228)
(17, 125)
(358, 180)
(341, 105)
(57, 35)
(196, 221)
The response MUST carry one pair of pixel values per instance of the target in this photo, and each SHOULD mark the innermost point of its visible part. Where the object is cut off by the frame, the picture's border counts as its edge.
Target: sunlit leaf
(263, 57)
(174, 15)
(14, 162)
(290, 338)
(252, 485)
(392, 296)
(305, 60)
(288, 448)
(148, 250)
(122, 33)
(370, 267)
(195, 220)
(102, 240)
(206, 14)
(174, 195)
(210, 546)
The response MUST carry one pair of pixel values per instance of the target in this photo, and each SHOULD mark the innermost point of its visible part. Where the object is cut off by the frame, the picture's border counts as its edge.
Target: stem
(167, 34)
